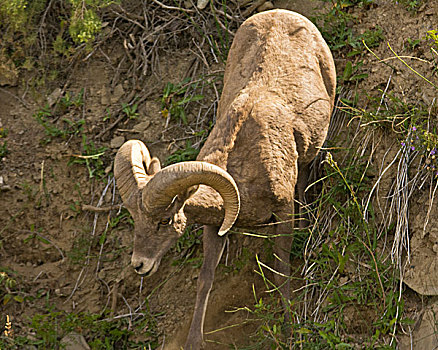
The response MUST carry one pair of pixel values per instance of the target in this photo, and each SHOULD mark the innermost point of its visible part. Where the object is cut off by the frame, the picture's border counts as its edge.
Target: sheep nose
(138, 267)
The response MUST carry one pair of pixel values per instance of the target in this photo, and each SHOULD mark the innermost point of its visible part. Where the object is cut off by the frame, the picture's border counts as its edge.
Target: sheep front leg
(213, 249)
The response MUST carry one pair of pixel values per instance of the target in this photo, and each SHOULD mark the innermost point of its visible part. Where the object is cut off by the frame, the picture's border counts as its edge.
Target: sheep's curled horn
(132, 171)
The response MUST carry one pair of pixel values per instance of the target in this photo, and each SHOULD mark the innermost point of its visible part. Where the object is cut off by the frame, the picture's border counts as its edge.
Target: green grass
(92, 157)
(54, 128)
(100, 331)
(176, 97)
(336, 26)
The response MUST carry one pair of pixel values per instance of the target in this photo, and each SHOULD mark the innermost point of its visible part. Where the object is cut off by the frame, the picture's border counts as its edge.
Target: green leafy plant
(54, 127)
(222, 47)
(186, 246)
(51, 327)
(351, 74)
(335, 26)
(3, 149)
(91, 157)
(130, 111)
(3, 145)
(71, 101)
(174, 100)
(85, 23)
(433, 36)
(15, 11)
(9, 290)
(411, 5)
(413, 43)
(183, 155)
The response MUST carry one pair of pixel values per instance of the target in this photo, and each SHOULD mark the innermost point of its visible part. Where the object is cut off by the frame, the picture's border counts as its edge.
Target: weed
(425, 143)
(335, 28)
(350, 73)
(3, 145)
(3, 132)
(91, 157)
(78, 252)
(123, 217)
(186, 246)
(130, 111)
(3, 150)
(410, 5)
(223, 47)
(335, 281)
(30, 190)
(413, 43)
(107, 115)
(433, 36)
(69, 101)
(45, 118)
(239, 262)
(175, 100)
(183, 155)
(51, 327)
(9, 291)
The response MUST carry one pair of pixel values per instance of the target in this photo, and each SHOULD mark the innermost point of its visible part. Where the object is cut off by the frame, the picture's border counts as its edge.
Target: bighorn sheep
(273, 116)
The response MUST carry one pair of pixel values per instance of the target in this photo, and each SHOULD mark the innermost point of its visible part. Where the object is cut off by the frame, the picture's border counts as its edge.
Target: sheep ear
(154, 166)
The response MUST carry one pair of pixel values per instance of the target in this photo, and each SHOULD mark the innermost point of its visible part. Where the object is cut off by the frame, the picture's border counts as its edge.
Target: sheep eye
(165, 221)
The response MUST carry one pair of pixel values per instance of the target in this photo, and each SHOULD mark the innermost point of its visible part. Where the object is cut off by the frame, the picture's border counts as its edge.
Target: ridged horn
(129, 170)
(160, 191)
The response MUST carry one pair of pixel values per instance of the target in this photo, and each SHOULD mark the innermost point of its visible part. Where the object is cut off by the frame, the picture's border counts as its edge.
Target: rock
(424, 335)
(74, 341)
(421, 274)
(265, 7)
(54, 96)
(202, 4)
(117, 94)
(105, 99)
(141, 127)
(117, 141)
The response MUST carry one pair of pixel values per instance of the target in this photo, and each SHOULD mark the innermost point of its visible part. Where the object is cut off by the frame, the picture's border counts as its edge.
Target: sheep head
(155, 198)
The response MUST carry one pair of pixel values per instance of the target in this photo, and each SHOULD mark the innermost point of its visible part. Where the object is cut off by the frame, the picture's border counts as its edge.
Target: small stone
(54, 96)
(202, 4)
(117, 94)
(141, 127)
(117, 141)
(74, 341)
(265, 7)
(105, 96)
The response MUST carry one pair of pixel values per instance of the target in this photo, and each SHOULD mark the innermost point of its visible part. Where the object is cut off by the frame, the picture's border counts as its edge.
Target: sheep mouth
(145, 274)
(140, 269)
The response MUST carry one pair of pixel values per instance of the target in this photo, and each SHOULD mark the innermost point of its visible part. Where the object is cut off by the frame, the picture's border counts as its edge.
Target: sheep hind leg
(213, 249)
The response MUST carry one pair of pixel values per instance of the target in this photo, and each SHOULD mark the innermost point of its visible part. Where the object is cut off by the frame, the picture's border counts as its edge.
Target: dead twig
(173, 7)
(92, 208)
